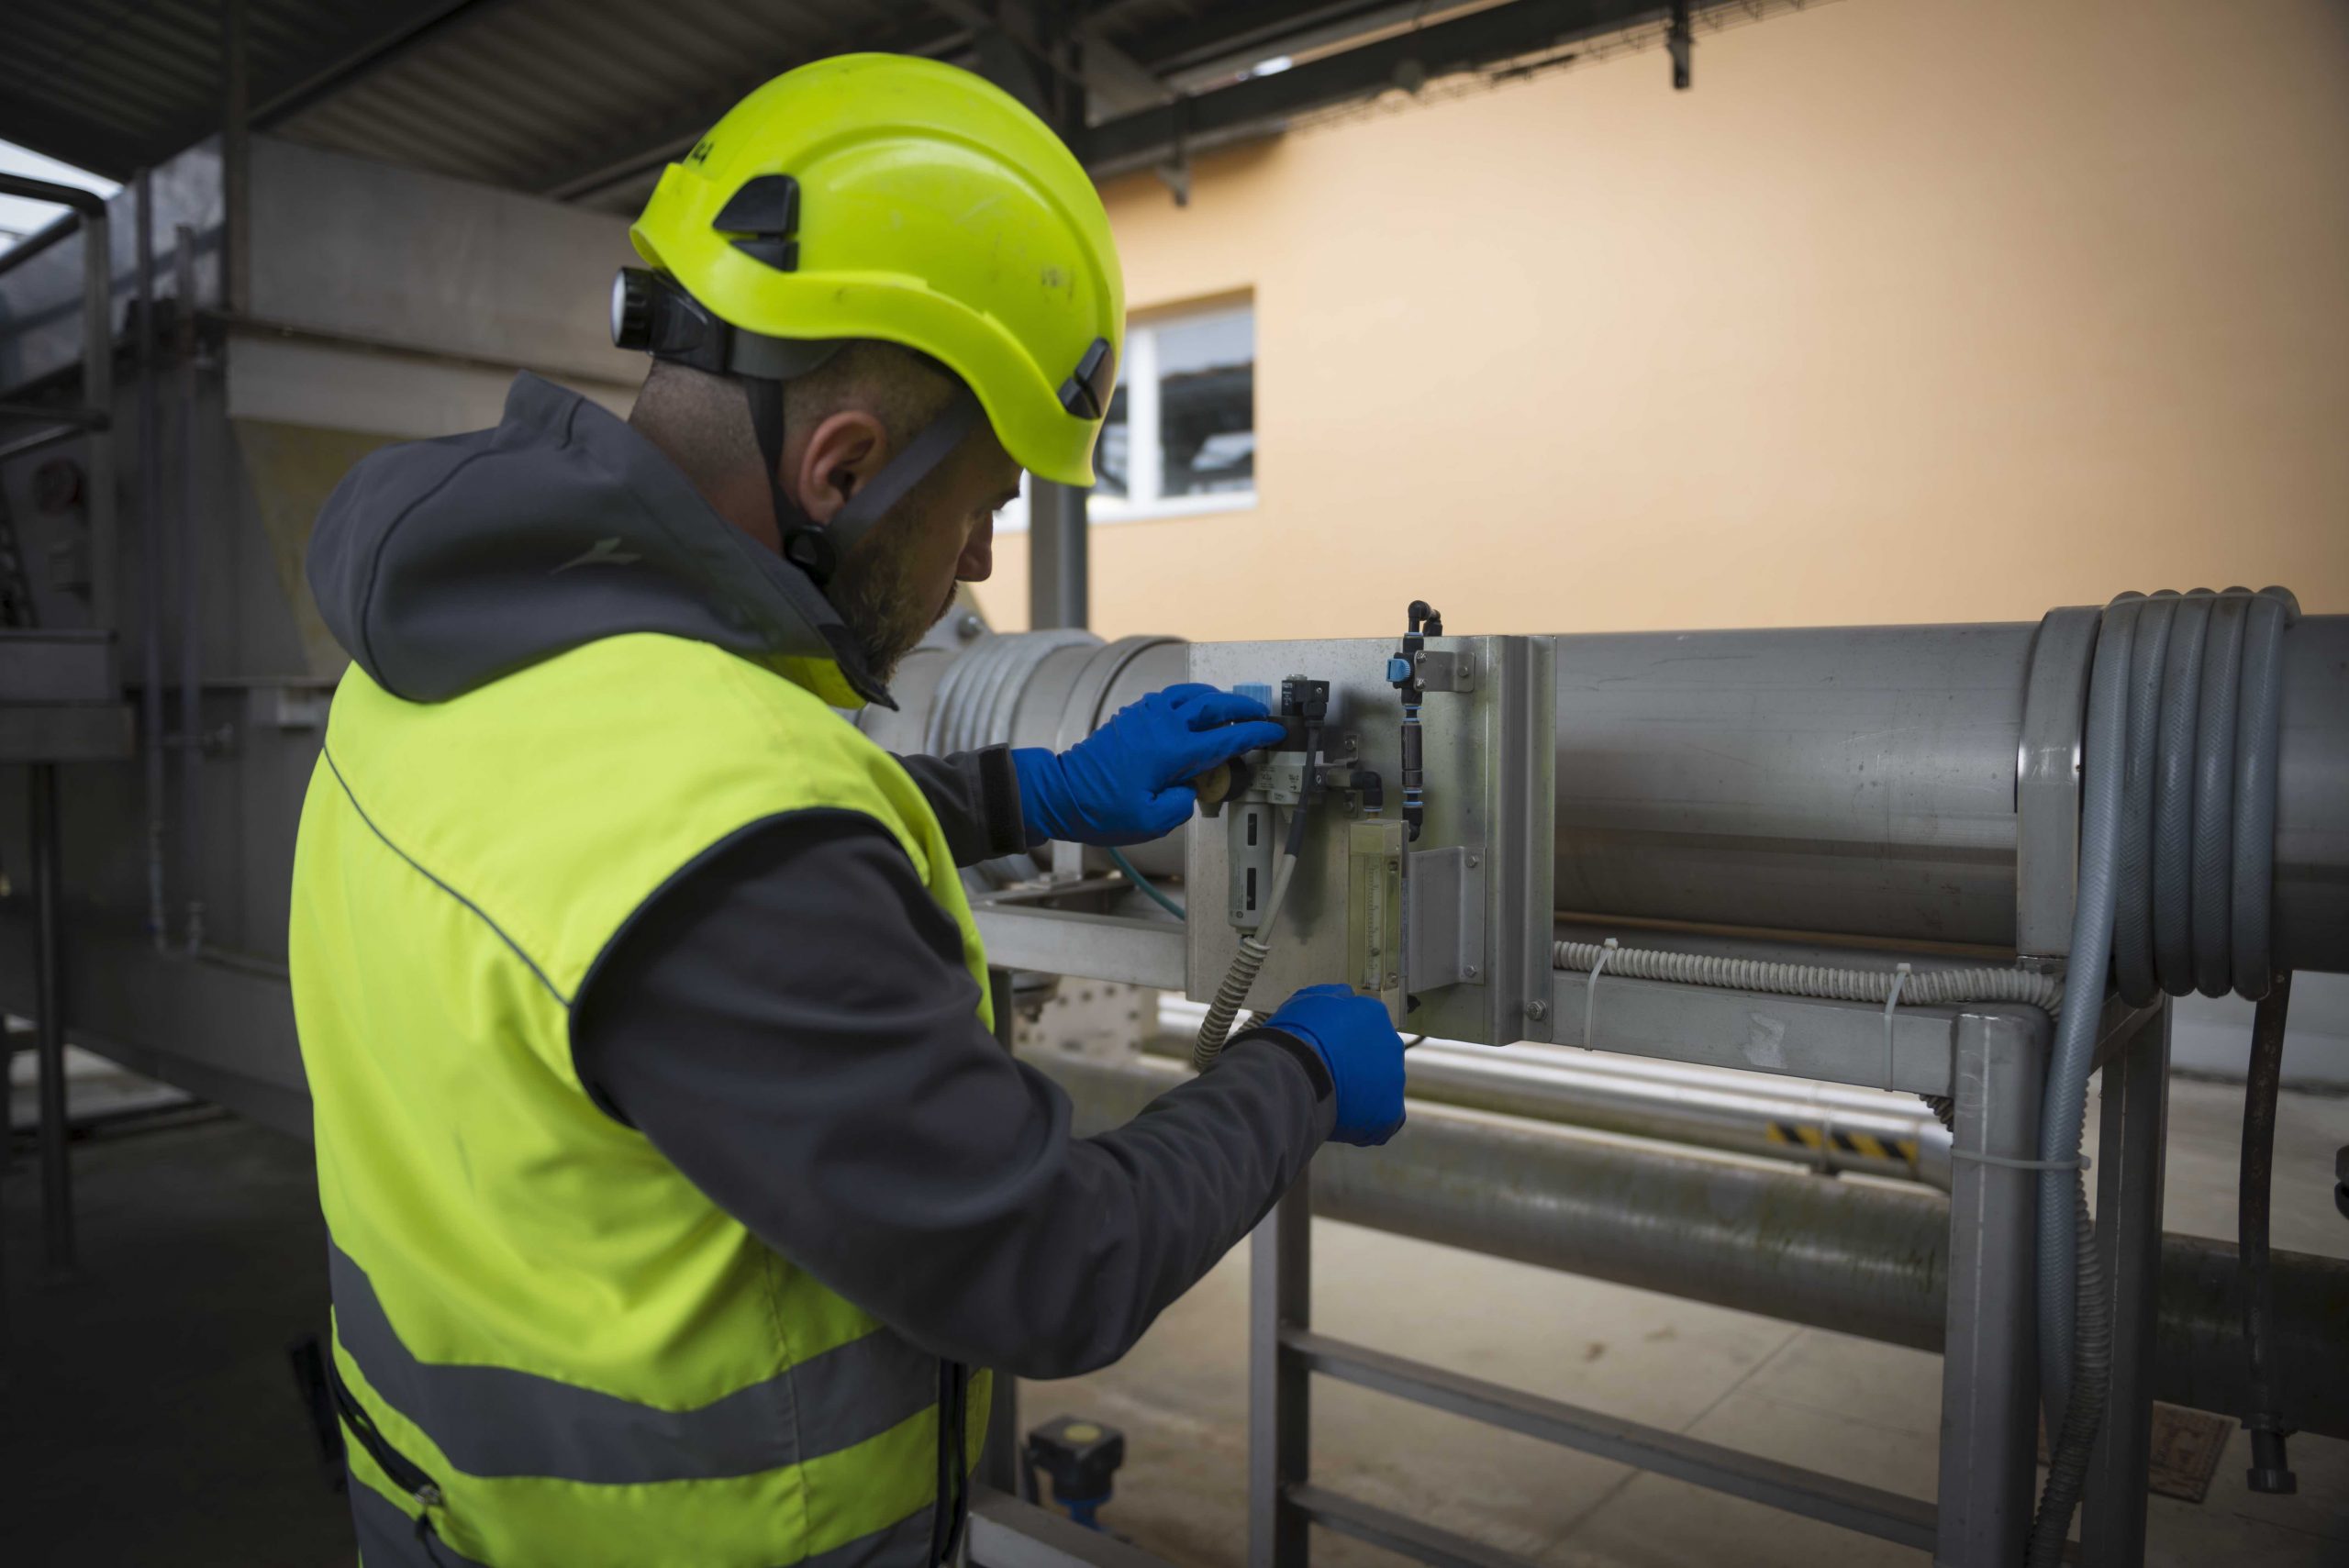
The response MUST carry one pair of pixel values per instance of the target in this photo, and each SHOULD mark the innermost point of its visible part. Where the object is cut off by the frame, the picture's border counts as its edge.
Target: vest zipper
(404, 1473)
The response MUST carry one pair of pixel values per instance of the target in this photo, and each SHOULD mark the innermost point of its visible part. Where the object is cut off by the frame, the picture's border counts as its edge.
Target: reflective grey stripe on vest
(388, 1538)
(493, 1421)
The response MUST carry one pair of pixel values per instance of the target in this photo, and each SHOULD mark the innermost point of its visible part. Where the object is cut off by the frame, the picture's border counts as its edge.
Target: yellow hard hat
(881, 196)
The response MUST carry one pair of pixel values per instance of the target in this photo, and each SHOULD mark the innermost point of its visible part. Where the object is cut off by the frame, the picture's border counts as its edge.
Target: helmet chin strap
(817, 548)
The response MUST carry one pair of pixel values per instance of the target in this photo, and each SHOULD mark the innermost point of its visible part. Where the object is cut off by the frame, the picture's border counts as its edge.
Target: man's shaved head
(703, 421)
(841, 424)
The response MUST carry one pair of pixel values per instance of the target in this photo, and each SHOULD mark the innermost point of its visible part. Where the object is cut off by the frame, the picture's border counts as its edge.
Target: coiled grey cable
(2133, 915)
(1232, 994)
(2173, 906)
(2214, 792)
(2258, 738)
(2211, 733)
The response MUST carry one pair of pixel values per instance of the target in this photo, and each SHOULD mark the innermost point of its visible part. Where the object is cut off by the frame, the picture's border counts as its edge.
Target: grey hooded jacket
(789, 1019)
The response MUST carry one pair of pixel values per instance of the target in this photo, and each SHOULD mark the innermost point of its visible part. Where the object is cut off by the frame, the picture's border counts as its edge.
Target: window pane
(1206, 377)
(1110, 471)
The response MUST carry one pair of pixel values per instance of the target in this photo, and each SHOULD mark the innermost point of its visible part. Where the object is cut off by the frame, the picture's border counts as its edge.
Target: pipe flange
(2047, 779)
(1082, 715)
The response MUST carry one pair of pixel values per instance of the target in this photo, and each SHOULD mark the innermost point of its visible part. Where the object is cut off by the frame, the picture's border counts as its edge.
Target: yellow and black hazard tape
(1820, 1140)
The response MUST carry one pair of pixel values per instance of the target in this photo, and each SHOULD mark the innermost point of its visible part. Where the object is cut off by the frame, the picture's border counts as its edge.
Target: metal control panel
(1451, 930)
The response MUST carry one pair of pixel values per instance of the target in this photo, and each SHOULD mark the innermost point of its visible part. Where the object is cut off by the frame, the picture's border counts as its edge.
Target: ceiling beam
(425, 23)
(1114, 82)
(1218, 35)
(1261, 105)
(69, 137)
(630, 155)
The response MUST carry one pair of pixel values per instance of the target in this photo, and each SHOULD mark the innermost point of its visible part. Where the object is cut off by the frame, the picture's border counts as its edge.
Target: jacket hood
(443, 565)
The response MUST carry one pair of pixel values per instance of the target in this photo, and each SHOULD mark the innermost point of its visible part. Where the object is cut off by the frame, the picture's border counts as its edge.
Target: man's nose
(977, 563)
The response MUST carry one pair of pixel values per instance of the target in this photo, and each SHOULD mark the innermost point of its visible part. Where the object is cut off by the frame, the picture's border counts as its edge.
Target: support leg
(1989, 1367)
(1280, 1296)
(48, 984)
(2135, 1130)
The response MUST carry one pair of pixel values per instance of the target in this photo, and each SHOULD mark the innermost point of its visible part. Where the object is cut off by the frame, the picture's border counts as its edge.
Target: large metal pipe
(1821, 1126)
(1855, 1257)
(1862, 781)
(1857, 780)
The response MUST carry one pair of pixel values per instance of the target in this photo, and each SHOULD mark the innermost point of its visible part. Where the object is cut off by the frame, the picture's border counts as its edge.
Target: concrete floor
(150, 1417)
(150, 1410)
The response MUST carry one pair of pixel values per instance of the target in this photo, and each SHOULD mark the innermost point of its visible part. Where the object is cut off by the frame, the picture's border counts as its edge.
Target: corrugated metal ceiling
(568, 97)
(585, 100)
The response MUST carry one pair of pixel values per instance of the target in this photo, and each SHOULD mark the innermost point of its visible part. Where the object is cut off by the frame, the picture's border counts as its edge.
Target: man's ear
(843, 454)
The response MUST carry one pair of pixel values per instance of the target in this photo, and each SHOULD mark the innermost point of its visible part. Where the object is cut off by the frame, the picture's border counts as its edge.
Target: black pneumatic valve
(1082, 1458)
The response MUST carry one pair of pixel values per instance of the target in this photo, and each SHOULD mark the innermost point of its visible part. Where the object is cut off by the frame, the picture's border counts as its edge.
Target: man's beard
(874, 594)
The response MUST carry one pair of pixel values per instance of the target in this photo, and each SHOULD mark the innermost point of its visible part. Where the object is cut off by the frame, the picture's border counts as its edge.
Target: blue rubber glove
(1363, 1051)
(1128, 781)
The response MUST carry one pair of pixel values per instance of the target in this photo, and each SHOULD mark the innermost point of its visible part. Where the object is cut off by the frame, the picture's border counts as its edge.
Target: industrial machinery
(1624, 873)
(1859, 856)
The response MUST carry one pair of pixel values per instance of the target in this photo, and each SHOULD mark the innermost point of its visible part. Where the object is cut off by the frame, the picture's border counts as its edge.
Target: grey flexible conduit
(1928, 988)
(2063, 1108)
(2067, 1469)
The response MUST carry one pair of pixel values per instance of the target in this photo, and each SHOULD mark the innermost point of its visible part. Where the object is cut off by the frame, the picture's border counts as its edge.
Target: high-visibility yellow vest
(560, 1350)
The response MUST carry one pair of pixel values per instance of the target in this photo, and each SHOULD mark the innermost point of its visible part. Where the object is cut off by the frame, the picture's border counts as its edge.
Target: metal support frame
(1280, 1417)
(1040, 64)
(1989, 1348)
(1991, 1061)
(2134, 1130)
(1059, 570)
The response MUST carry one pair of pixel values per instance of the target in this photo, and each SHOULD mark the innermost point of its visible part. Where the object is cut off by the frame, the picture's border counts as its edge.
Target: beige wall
(1912, 310)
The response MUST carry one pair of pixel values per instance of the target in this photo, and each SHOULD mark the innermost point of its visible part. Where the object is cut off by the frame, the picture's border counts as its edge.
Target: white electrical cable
(1232, 994)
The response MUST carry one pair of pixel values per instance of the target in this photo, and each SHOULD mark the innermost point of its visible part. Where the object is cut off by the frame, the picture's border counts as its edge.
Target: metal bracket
(1439, 671)
(1444, 918)
(2047, 780)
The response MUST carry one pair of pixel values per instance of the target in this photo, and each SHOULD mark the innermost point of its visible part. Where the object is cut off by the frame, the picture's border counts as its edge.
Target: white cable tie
(1900, 978)
(1590, 994)
(2009, 1163)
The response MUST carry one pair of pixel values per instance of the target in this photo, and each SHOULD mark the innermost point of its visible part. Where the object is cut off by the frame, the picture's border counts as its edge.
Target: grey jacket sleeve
(791, 1023)
(976, 796)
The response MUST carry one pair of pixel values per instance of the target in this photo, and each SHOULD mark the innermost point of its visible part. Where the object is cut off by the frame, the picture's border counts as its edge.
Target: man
(674, 1176)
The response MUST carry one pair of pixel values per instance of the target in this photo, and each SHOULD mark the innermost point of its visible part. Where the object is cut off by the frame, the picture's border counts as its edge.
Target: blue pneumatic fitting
(1256, 689)
(1398, 670)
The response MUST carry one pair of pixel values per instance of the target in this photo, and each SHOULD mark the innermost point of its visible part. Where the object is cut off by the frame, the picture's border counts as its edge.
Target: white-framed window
(1181, 435)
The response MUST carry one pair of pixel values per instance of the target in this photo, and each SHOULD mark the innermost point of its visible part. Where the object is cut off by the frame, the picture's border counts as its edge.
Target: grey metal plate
(1490, 761)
